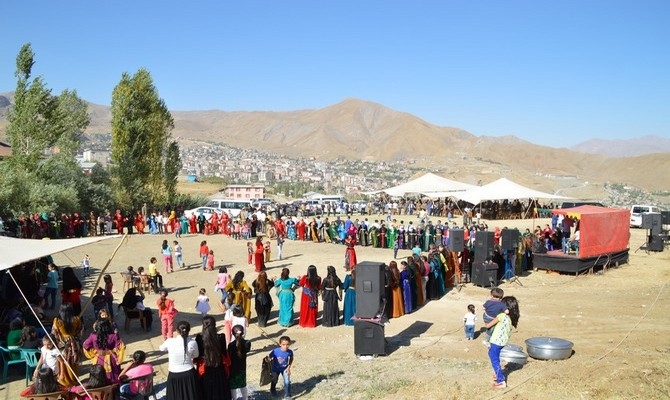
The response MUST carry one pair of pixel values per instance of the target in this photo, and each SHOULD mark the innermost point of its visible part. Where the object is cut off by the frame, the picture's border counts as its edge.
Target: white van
(230, 206)
(636, 212)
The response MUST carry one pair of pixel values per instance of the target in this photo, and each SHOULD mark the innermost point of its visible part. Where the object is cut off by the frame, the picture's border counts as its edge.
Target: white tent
(429, 185)
(17, 251)
(502, 189)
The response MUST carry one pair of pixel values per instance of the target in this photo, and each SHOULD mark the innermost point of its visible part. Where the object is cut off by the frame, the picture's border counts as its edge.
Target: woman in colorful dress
(104, 347)
(397, 307)
(240, 293)
(349, 307)
(285, 291)
(66, 332)
(405, 282)
(332, 294)
(259, 255)
(263, 300)
(350, 252)
(212, 349)
(309, 300)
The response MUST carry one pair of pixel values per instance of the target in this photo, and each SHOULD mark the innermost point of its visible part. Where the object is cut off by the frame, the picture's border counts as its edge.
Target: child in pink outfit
(166, 312)
(210, 260)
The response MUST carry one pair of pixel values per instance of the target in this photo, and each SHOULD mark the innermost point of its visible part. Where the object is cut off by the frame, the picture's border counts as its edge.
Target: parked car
(636, 212)
(206, 211)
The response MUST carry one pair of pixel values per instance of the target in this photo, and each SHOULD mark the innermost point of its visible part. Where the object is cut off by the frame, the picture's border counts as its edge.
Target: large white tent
(17, 251)
(502, 189)
(428, 184)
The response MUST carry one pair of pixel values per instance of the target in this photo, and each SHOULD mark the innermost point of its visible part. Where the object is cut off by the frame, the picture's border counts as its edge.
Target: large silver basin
(513, 354)
(548, 348)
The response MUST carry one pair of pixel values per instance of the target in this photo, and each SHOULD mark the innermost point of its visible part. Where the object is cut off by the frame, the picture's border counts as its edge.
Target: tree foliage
(141, 129)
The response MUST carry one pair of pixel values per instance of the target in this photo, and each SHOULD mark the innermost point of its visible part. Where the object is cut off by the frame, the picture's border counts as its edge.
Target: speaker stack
(368, 329)
(653, 222)
(509, 239)
(483, 246)
(456, 240)
(485, 274)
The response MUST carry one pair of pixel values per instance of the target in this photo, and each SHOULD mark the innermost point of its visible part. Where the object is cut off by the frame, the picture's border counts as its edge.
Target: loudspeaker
(369, 288)
(655, 242)
(652, 221)
(509, 239)
(456, 240)
(665, 217)
(485, 274)
(483, 246)
(369, 337)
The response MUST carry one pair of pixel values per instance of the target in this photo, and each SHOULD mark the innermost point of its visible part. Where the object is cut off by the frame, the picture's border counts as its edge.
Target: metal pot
(547, 348)
(513, 354)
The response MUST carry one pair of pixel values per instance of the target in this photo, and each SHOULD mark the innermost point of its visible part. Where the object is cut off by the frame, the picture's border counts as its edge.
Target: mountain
(355, 129)
(625, 147)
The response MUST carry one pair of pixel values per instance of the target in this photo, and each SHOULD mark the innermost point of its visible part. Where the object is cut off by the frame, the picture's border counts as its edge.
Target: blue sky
(551, 72)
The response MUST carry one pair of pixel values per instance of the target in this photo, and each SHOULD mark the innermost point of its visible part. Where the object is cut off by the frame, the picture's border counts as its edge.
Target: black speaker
(655, 242)
(369, 337)
(652, 221)
(456, 240)
(483, 246)
(665, 217)
(369, 288)
(509, 239)
(485, 274)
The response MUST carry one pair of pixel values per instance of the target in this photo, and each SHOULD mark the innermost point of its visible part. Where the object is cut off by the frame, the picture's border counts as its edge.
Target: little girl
(239, 319)
(236, 230)
(245, 231)
(502, 331)
(166, 312)
(202, 304)
(222, 280)
(268, 250)
(228, 318)
(469, 322)
(210, 260)
(86, 264)
(250, 254)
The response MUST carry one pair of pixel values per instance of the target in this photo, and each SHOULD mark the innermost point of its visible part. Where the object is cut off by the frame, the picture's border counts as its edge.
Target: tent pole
(95, 287)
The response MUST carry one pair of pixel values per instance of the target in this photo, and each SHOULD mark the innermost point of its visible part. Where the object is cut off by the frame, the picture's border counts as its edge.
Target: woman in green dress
(285, 291)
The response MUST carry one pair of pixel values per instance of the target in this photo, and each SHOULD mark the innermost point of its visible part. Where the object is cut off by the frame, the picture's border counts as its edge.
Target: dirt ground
(617, 320)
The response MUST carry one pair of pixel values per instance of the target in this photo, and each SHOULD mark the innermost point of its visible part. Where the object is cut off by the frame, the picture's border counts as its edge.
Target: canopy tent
(429, 184)
(18, 251)
(602, 230)
(502, 189)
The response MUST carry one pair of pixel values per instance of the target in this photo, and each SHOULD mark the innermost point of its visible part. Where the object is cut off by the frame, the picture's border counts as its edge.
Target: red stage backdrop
(602, 230)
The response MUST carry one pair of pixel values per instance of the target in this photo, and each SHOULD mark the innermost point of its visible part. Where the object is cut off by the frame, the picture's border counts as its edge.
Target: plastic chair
(131, 314)
(31, 356)
(64, 395)
(128, 281)
(103, 393)
(145, 282)
(7, 361)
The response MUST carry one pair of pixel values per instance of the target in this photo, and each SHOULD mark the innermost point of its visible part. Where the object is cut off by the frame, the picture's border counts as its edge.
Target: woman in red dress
(259, 255)
(301, 226)
(192, 224)
(350, 253)
(309, 300)
(139, 222)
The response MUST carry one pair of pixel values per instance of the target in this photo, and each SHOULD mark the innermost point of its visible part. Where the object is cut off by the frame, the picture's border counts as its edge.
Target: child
(239, 319)
(138, 367)
(86, 264)
(29, 338)
(99, 302)
(228, 318)
(49, 357)
(267, 250)
(52, 286)
(237, 350)
(280, 244)
(502, 330)
(222, 280)
(210, 260)
(105, 314)
(282, 358)
(469, 321)
(178, 254)
(155, 275)
(109, 294)
(166, 313)
(202, 304)
(493, 307)
(204, 253)
(246, 228)
(250, 254)
(236, 230)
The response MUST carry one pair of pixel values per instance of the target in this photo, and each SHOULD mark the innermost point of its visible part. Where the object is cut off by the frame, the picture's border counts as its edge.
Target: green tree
(141, 128)
(171, 170)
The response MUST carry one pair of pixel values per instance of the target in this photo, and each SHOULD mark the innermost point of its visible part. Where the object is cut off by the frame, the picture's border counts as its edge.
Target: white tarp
(429, 185)
(16, 251)
(502, 189)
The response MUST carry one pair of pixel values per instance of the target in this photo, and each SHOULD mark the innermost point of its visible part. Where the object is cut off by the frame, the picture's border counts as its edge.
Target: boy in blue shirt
(282, 358)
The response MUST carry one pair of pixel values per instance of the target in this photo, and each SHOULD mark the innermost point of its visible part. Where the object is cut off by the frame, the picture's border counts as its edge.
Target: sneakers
(500, 385)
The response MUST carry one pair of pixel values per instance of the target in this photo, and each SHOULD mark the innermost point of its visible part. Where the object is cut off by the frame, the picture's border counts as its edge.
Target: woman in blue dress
(405, 279)
(285, 287)
(290, 229)
(349, 287)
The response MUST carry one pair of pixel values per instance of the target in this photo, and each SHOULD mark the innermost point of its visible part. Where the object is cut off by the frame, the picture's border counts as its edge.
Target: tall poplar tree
(141, 129)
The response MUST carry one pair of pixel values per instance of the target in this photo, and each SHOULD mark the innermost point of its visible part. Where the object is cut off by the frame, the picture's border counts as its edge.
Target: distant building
(244, 191)
(100, 156)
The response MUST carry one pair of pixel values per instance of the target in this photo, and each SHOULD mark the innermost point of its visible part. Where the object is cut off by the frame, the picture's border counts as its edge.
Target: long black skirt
(215, 384)
(183, 385)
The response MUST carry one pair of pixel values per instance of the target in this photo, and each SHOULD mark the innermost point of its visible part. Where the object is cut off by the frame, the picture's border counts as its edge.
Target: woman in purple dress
(105, 347)
(405, 277)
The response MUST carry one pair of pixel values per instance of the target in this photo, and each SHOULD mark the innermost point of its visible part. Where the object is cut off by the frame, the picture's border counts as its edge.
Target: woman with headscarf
(71, 290)
(132, 300)
(212, 350)
(309, 301)
(332, 294)
(397, 306)
(105, 348)
(66, 333)
(286, 286)
(406, 280)
(263, 300)
(182, 382)
(259, 255)
(240, 293)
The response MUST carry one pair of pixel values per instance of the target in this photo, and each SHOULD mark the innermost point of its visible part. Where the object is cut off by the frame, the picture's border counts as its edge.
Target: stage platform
(556, 260)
